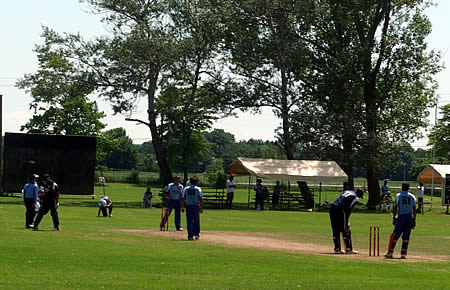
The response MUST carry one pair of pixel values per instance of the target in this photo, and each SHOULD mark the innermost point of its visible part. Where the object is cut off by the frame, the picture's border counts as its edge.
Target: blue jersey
(192, 195)
(405, 202)
(347, 200)
(108, 201)
(384, 189)
(30, 190)
(276, 190)
(259, 189)
(174, 191)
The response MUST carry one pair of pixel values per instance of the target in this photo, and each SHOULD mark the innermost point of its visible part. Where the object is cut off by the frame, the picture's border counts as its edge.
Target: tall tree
(266, 56)
(382, 71)
(152, 44)
(187, 105)
(60, 97)
(398, 84)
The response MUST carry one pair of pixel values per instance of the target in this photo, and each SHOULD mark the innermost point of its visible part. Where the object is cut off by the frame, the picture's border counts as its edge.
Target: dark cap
(46, 176)
(359, 192)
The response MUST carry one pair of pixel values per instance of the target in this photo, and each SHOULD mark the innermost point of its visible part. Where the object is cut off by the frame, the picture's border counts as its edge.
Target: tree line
(221, 148)
(350, 80)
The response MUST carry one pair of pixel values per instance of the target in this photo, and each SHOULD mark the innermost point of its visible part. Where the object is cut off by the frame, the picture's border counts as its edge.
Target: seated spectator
(147, 199)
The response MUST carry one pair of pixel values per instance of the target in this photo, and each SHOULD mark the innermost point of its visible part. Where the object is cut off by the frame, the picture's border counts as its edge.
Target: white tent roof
(440, 170)
(292, 170)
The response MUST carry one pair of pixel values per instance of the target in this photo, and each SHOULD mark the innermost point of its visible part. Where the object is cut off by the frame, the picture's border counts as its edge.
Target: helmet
(104, 203)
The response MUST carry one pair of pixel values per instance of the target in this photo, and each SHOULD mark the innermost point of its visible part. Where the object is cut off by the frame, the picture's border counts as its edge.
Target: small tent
(289, 170)
(437, 174)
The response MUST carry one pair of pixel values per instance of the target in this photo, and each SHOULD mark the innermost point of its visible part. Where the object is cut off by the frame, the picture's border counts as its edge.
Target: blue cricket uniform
(340, 212)
(192, 196)
(276, 195)
(405, 203)
(174, 191)
(384, 189)
(277, 190)
(102, 208)
(30, 195)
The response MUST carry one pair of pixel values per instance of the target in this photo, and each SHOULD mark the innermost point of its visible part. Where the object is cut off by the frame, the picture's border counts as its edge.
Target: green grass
(86, 254)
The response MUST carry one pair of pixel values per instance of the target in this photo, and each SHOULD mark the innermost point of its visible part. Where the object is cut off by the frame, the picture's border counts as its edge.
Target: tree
(440, 134)
(60, 97)
(153, 45)
(375, 51)
(116, 150)
(266, 57)
(223, 145)
(146, 160)
(187, 105)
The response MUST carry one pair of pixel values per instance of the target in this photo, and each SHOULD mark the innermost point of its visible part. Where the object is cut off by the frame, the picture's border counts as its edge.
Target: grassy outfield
(85, 254)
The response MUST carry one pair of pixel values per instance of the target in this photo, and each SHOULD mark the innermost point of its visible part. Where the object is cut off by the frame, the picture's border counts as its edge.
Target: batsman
(405, 207)
(340, 212)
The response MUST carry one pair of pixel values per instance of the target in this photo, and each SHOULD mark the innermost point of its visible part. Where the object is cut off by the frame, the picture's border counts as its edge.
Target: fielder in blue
(30, 197)
(405, 207)
(172, 193)
(192, 199)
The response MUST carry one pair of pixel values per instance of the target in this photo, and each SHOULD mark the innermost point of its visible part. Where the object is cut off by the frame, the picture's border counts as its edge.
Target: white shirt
(420, 190)
(230, 186)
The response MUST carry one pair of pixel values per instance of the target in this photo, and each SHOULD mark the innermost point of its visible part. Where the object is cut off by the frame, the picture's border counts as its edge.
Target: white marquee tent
(288, 170)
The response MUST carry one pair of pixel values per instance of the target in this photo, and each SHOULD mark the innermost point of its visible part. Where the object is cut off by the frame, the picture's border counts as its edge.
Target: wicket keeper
(340, 212)
(405, 207)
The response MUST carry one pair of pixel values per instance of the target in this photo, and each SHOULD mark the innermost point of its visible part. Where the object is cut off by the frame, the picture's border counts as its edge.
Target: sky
(21, 24)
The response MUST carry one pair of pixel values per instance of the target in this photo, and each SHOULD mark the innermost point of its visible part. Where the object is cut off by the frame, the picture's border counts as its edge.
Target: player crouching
(105, 204)
(192, 199)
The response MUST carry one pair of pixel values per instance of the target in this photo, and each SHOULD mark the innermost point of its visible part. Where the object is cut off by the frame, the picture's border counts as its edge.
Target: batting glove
(394, 220)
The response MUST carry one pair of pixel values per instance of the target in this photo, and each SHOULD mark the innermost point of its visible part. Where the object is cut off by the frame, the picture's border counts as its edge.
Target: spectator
(276, 194)
(30, 197)
(259, 197)
(147, 199)
(105, 206)
(420, 193)
(230, 192)
(384, 188)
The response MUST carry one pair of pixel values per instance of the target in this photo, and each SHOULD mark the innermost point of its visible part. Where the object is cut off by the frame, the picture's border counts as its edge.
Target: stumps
(164, 226)
(374, 241)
